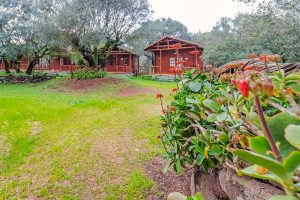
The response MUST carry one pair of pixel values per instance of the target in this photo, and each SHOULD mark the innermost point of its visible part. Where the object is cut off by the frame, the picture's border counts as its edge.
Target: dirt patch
(169, 182)
(87, 85)
(133, 91)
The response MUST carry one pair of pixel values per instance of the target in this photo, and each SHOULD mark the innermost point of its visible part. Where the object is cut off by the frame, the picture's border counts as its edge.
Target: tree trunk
(31, 66)
(89, 58)
(17, 67)
(6, 66)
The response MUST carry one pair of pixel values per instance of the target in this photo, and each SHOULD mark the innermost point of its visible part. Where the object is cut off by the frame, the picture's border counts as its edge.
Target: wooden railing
(119, 69)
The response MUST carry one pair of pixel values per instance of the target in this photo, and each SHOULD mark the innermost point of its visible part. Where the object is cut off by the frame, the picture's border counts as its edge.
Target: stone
(245, 188)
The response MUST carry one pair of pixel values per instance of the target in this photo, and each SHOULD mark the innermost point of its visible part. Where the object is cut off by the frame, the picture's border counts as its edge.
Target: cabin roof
(125, 50)
(176, 39)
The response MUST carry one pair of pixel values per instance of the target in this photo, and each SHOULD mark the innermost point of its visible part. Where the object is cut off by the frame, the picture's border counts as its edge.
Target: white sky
(197, 14)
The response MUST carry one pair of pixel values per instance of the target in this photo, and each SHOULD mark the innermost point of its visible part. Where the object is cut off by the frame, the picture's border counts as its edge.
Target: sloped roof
(127, 50)
(179, 40)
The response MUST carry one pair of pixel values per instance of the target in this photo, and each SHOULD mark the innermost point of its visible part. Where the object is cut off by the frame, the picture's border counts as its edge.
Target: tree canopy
(272, 28)
(32, 29)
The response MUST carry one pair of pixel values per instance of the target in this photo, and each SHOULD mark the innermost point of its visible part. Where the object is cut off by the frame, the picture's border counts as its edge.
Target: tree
(233, 39)
(152, 31)
(94, 26)
(28, 32)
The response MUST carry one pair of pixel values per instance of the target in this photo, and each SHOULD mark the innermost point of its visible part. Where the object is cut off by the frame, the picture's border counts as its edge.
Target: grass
(77, 145)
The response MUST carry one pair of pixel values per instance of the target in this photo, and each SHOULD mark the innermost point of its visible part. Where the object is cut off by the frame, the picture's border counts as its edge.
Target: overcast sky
(197, 15)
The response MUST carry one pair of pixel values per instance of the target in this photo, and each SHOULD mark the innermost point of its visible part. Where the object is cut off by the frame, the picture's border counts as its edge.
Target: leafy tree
(93, 25)
(152, 31)
(26, 32)
(258, 33)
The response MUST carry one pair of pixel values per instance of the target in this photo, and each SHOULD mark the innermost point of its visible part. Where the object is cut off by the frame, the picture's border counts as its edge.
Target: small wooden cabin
(165, 56)
(122, 61)
(119, 61)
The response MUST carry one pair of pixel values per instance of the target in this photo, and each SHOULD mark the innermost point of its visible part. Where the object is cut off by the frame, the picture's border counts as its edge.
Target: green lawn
(78, 145)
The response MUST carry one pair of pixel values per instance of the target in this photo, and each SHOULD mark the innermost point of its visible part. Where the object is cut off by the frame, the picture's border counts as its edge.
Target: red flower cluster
(176, 70)
(195, 52)
(181, 62)
(264, 58)
(270, 58)
(172, 108)
(176, 46)
(236, 65)
(275, 58)
(253, 67)
(215, 71)
(159, 95)
(251, 56)
(174, 89)
(244, 86)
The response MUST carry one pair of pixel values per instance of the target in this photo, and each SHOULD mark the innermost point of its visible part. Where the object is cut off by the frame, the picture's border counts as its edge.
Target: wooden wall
(164, 61)
(122, 63)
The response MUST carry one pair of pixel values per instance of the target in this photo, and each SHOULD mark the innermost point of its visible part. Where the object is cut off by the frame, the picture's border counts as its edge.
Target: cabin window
(111, 60)
(172, 62)
(66, 61)
(125, 61)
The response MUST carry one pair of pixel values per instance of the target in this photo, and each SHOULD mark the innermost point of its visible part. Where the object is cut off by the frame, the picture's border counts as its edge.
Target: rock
(245, 188)
(209, 185)
(176, 196)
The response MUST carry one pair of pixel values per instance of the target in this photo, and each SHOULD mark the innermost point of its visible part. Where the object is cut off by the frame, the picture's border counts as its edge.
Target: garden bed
(223, 183)
(25, 78)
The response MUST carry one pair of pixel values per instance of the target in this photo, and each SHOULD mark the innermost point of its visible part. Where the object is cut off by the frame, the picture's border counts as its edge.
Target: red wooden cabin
(119, 61)
(165, 56)
(122, 61)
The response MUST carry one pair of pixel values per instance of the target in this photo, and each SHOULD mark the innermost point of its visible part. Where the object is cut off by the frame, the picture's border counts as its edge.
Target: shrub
(210, 119)
(89, 73)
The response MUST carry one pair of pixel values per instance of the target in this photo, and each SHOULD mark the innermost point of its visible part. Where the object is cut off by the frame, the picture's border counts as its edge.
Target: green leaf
(178, 167)
(277, 125)
(297, 185)
(250, 171)
(195, 86)
(215, 150)
(166, 168)
(213, 106)
(281, 197)
(193, 116)
(200, 158)
(292, 135)
(222, 117)
(292, 162)
(263, 161)
(199, 196)
(260, 145)
(211, 117)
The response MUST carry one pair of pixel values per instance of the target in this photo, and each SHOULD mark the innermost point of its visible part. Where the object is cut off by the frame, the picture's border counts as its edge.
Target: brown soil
(86, 85)
(133, 91)
(170, 182)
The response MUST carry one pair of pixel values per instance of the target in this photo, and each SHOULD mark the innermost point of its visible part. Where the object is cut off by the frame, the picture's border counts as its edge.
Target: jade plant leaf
(195, 86)
(292, 135)
(277, 125)
(297, 185)
(178, 167)
(213, 106)
(222, 117)
(263, 161)
(250, 171)
(281, 197)
(260, 145)
(292, 162)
